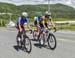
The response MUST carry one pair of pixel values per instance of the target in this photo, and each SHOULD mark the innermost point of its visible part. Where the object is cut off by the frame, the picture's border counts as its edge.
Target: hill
(57, 10)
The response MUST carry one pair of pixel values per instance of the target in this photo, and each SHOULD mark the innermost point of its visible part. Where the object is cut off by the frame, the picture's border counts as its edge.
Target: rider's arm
(28, 25)
(37, 23)
(52, 22)
(38, 26)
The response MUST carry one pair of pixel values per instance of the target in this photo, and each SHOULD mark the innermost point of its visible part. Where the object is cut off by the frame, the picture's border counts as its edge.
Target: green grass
(67, 26)
(56, 19)
(64, 19)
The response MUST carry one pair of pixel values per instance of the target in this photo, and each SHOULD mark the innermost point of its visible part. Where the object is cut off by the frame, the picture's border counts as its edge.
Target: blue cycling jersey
(22, 20)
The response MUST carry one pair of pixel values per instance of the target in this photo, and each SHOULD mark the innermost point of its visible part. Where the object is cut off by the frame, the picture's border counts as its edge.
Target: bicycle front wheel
(41, 39)
(35, 36)
(51, 41)
(27, 44)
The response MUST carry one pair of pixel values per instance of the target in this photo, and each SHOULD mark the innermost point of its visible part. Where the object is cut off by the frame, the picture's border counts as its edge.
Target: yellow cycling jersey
(46, 20)
(41, 22)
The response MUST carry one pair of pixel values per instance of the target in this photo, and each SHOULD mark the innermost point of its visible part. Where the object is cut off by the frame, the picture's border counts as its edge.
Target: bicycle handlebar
(28, 31)
(50, 29)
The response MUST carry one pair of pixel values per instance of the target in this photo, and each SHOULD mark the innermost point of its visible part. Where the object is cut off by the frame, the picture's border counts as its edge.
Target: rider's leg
(20, 33)
(19, 37)
(38, 28)
(42, 33)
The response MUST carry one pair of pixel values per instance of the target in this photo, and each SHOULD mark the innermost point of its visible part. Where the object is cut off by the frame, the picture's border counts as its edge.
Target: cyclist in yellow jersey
(43, 23)
(48, 19)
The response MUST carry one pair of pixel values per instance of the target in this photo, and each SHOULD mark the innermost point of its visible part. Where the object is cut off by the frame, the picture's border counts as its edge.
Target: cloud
(20, 2)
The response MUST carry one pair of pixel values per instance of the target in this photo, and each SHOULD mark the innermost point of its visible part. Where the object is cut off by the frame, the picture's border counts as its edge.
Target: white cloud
(20, 2)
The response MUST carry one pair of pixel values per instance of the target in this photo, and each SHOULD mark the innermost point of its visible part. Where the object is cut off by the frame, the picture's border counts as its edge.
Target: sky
(21, 2)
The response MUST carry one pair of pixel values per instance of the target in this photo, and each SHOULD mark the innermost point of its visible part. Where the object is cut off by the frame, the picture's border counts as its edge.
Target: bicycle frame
(47, 32)
(25, 39)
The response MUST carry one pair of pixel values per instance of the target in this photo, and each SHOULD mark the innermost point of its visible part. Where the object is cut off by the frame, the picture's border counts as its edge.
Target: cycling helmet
(47, 13)
(35, 18)
(25, 14)
(39, 14)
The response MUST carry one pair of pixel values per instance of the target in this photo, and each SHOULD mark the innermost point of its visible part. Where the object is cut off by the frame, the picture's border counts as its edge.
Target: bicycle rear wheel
(27, 44)
(52, 41)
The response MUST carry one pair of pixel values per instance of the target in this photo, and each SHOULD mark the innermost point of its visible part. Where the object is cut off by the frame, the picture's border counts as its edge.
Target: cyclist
(43, 23)
(48, 19)
(20, 23)
(36, 21)
(40, 26)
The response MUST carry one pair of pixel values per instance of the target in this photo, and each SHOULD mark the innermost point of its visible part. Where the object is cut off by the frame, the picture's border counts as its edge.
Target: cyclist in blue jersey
(20, 24)
(21, 20)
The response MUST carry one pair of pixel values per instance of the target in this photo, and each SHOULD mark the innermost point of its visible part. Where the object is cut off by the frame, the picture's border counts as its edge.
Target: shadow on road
(34, 39)
(37, 45)
(18, 48)
(40, 46)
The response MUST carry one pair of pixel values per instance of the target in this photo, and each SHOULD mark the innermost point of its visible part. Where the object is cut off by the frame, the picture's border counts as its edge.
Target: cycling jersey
(40, 21)
(47, 18)
(22, 20)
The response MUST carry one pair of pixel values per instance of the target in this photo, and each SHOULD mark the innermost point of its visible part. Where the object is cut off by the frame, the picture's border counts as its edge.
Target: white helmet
(35, 18)
(25, 14)
(47, 13)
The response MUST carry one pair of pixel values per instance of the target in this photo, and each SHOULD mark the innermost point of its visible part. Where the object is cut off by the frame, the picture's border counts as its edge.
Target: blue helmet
(39, 14)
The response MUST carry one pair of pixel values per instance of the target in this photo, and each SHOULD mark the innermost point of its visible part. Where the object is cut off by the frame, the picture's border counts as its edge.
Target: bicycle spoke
(52, 41)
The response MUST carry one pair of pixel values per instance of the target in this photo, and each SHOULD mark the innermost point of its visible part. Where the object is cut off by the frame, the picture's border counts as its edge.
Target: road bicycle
(48, 37)
(24, 41)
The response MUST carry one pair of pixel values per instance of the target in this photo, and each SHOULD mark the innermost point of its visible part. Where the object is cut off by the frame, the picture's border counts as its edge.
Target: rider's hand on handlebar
(55, 29)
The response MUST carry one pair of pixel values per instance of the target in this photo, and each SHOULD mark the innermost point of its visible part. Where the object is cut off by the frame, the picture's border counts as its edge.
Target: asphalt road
(65, 46)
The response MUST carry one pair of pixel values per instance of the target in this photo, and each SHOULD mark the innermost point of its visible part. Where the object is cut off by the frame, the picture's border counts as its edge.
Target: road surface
(65, 46)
